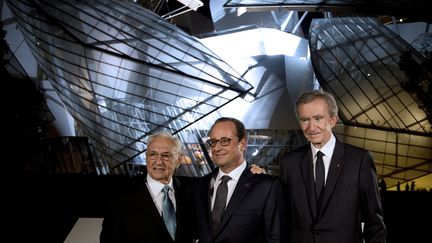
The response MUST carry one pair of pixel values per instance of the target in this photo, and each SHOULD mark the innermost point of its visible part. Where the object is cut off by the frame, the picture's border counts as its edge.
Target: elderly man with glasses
(154, 207)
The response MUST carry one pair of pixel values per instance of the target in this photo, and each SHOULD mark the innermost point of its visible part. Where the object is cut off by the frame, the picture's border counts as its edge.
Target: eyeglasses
(166, 157)
(222, 141)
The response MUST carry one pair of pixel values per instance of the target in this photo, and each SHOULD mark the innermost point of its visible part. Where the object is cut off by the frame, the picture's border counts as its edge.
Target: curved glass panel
(124, 72)
(357, 59)
(412, 8)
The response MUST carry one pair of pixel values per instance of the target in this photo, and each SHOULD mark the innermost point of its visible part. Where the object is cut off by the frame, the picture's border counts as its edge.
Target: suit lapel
(306, 168)
(145, 198)
(240, 191)
(207, 191)
(335, 169)
(180, 201)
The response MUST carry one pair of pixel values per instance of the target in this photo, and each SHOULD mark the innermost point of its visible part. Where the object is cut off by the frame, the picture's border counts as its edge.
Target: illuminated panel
(123, 72)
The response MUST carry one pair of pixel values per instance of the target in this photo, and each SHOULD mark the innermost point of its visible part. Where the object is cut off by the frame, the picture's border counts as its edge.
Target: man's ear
(334, 120)
(243, 144)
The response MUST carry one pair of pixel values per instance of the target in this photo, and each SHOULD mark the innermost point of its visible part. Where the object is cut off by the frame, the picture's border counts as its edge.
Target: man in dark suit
(331, 187)
(138, 204)
(251, 206)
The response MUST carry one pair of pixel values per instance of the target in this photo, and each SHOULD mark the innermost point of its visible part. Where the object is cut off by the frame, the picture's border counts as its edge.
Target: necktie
(319, 175)
(220, 202)
(168, 212)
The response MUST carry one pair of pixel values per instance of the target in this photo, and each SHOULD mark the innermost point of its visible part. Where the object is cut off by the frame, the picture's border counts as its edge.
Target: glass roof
(123, 72)
(409, 8)
(357, 59)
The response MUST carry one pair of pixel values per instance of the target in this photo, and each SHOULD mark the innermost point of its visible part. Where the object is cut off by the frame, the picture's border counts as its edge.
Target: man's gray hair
(178, 145)
(310, 96)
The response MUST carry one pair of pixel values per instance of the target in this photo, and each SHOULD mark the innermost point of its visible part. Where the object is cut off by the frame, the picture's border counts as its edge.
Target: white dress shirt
(232, 183)
(155, 189)
(327, 150)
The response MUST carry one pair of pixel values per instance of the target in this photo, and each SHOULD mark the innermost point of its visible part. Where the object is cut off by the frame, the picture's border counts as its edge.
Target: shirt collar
(155, 186)
(327, 149)
(234, 174)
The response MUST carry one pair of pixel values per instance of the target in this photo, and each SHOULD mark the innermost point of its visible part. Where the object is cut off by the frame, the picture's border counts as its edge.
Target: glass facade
(358, 61)
(413, 8)
(124, 72)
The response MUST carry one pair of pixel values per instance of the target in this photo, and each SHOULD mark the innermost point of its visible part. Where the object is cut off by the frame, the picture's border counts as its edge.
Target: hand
(255, 169)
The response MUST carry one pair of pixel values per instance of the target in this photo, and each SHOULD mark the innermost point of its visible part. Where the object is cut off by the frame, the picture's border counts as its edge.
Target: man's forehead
(160, 147)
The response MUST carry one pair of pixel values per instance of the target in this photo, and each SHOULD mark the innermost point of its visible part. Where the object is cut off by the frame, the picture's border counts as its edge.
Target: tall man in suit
(251, 206)
(137, 208)
(331, 187)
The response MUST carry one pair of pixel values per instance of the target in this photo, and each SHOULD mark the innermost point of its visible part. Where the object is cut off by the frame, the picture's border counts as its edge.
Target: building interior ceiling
(392, 164)
(417, 10)
(402, 153)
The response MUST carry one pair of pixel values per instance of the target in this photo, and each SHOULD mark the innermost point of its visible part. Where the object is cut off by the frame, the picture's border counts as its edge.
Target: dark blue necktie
(220, 202)
(319, 175)
(168, 212)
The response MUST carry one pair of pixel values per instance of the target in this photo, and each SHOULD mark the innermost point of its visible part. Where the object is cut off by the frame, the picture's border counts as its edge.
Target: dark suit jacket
(133, 217)
(351, 196)
(254, 213)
